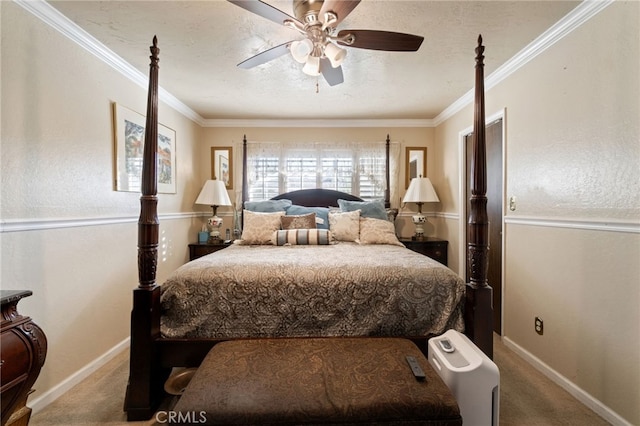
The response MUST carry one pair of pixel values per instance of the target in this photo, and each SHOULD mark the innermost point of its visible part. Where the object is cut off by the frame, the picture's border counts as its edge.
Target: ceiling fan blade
(332, 75)
(266, 56)
(341, 8)
(265, 10)
(380, 40)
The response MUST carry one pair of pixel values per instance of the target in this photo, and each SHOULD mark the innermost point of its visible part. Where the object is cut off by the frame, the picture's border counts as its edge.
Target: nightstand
(197, 250)
(431, 247)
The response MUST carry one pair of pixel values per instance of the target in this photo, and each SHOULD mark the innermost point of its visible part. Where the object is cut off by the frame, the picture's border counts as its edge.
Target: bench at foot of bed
(316, 381)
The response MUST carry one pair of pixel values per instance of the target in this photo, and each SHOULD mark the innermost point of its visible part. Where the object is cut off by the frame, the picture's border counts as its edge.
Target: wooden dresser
(23, 347)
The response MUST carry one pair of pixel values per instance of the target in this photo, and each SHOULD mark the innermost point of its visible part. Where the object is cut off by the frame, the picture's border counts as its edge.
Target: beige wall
(572, 247)
(57, 170)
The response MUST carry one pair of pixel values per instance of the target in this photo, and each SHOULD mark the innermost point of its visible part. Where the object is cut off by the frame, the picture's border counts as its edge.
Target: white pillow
(378, 231)
(258, 228)
(345, 226)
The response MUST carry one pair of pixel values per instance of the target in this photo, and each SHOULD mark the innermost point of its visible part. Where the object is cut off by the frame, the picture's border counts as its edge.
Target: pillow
(301, 237)
(378, 231)
(322, 214)
(259, 227)
(267, 206)
(345, 226)
(374, 209)
(303, 221)
(392, 214)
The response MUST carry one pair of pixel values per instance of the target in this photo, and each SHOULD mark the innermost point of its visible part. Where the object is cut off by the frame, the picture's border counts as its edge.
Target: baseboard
(578, 393)
(57, 391)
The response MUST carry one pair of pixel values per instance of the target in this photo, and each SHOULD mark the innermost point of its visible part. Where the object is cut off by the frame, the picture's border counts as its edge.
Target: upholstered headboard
(317, 197)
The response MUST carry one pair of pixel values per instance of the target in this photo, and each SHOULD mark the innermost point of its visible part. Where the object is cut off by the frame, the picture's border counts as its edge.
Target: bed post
(387, 191)
(144, 390)
(478, 306)
(245, 183)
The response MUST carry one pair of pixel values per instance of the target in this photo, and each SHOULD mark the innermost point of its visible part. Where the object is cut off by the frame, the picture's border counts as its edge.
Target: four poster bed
(299, 287)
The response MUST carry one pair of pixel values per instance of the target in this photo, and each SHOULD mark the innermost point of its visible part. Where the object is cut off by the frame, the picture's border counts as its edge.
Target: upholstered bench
(317, 381)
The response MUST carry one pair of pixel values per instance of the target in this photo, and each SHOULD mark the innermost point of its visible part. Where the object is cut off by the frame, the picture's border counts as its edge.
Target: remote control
(446, 345)
(415, 368)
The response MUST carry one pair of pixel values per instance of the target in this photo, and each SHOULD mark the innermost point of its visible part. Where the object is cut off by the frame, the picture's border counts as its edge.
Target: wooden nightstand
(432, 247)
(197, 250)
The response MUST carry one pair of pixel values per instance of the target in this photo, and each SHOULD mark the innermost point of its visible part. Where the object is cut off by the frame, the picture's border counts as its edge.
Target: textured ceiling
(201, 42)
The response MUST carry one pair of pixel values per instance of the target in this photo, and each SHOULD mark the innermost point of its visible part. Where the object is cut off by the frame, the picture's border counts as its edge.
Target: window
(264, 181)
(274, 168)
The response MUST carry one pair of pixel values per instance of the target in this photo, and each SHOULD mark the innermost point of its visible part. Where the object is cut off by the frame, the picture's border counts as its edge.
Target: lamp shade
(312, 66)
(335, 54)
(300, 50)
(420, 191)
(214, 193)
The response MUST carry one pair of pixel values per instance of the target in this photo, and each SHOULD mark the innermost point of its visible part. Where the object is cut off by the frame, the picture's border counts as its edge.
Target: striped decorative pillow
(301, 237)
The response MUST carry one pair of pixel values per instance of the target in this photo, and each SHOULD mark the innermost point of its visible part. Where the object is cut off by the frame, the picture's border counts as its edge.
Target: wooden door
(494, 211)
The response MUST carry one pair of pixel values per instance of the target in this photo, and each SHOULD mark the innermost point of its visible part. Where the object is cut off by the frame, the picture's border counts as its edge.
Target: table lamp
(214, 194)
(420, 191)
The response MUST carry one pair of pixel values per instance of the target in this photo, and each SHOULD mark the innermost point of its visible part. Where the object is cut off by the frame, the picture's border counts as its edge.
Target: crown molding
(317, 123)
(578, 16)
(51, 16)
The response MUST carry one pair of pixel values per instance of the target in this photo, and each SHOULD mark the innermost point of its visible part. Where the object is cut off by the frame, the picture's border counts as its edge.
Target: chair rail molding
(23, 225)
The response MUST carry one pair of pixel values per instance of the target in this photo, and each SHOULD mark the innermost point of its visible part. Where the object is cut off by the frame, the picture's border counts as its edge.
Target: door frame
(462, 188)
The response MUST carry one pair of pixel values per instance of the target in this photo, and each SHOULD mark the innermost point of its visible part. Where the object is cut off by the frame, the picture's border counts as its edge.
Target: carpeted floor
(527, 398)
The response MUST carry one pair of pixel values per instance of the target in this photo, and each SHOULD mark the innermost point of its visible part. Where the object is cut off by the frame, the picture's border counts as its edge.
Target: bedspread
(343, 289)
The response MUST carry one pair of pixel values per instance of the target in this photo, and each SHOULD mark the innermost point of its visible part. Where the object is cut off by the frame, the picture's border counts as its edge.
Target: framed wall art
(222, 165)
(129, 143)
(416, 163)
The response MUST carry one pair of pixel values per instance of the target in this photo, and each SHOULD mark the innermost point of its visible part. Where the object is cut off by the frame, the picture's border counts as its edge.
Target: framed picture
(222, 165)
(416, 163)
(129, 143)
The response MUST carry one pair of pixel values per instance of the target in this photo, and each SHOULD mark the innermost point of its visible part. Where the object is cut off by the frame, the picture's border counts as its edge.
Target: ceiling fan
(320, 50)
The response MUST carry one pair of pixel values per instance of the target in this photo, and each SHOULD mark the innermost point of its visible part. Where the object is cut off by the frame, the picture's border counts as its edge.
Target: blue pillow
(374, 209)
(267, 206)
(322, 214)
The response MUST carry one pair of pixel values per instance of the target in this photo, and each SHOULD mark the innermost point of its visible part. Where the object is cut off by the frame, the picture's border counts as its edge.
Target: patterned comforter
(343, 289)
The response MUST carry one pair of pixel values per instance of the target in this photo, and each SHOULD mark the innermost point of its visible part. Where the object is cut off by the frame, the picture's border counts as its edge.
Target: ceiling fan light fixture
(321, 51)
(301, 49)
(335, 54)
(312, 66)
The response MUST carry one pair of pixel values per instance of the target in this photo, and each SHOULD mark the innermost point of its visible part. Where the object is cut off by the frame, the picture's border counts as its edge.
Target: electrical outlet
(539, 326)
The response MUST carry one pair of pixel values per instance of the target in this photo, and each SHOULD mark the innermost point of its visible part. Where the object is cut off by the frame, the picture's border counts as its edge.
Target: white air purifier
(471, 376)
